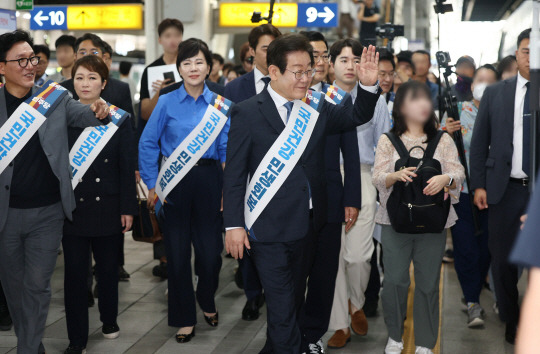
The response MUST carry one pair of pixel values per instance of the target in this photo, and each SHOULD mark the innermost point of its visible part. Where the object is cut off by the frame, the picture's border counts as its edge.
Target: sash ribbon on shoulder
(334, 94)
(282, 157)
(91, 142)
(26, 120)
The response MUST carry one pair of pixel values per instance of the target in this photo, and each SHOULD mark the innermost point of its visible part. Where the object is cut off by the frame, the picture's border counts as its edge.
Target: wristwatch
(451, 181)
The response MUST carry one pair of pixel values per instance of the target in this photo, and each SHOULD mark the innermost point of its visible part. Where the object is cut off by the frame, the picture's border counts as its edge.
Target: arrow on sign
(39, 18)
(328, 14)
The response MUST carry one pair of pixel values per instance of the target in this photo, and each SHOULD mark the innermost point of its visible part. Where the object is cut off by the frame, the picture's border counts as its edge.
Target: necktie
(266, 80)
(288, 106)
(526, 163)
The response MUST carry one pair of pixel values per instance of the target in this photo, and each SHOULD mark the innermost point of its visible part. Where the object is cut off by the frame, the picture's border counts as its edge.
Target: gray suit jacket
(54, 141)
(492, 142)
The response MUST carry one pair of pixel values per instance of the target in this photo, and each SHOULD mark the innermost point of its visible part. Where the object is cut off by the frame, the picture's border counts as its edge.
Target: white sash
(282, 157)
(193, 147)
(90, 144)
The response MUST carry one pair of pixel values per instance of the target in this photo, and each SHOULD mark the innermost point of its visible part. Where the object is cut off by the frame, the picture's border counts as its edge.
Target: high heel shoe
(213, 321)
(184, 338)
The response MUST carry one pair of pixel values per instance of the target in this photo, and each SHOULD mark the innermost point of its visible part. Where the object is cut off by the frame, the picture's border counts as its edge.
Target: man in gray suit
(35, 194)
(500, 170)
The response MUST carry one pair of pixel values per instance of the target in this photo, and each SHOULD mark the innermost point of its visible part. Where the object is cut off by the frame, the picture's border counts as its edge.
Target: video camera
(442, 8)
(390, 31)
(443, 59)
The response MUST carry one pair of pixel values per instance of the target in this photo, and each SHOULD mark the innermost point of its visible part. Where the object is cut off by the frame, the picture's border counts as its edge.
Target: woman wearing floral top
(471, 253)
(415, 124)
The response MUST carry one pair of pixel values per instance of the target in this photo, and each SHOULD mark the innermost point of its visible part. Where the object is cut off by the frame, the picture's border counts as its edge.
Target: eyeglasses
(23, 62)
(390, 74)
(325, 58)
(84, 52)
(300, 74)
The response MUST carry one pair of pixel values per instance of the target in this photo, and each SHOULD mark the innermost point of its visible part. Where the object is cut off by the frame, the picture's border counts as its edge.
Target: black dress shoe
(251, 309)
(75, 349)
(510, 334)
(370, 308)
(184, 338)
(213, 321)
(160, 270)
(123, 275)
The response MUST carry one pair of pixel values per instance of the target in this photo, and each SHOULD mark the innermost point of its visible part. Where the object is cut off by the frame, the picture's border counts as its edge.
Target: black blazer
(492, 141)
(107, 190)
(241, 88)
(115, 92)
(341, 195)
(214, 87)
(255, 125)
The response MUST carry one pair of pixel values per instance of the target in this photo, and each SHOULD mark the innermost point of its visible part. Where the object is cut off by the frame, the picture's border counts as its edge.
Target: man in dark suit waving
(500, 170)
(299, 205)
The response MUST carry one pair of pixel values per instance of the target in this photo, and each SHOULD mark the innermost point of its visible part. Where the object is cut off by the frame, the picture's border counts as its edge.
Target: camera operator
(465, 69)
(500, 170)
(368, 14)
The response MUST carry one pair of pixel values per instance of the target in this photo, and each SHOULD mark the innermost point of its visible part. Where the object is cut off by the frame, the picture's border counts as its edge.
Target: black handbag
(145, 225)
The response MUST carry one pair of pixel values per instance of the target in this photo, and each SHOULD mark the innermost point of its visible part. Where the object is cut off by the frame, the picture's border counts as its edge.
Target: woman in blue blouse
(192, 208)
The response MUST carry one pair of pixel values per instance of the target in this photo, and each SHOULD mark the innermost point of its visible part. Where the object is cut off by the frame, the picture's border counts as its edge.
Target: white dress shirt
(517, 156)
(317, 87)
(259, 83)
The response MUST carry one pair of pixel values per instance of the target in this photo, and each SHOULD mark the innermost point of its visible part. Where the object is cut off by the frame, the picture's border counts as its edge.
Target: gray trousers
(426, 252)
(29, 245)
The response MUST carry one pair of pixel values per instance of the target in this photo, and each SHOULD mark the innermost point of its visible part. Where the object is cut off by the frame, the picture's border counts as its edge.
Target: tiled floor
(143, 319)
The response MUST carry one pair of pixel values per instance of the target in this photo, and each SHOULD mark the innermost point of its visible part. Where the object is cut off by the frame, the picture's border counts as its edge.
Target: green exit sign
(24, 4)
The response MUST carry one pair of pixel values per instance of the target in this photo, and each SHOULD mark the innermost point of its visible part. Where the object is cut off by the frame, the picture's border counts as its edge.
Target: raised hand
(100, 108)
(368, 68)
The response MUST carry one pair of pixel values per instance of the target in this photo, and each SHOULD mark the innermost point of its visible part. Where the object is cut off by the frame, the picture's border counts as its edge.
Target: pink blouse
(385, 160)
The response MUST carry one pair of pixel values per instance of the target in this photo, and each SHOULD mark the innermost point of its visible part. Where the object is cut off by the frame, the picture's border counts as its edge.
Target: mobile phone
(169, 75)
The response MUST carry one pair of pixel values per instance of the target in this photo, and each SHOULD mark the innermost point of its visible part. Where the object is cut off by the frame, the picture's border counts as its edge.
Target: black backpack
(409, 209)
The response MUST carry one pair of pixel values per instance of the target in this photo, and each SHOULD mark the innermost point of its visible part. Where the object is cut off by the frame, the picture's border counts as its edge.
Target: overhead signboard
(8, 21)
(239, 14)
(87, 17)
(24, 5)
(317, 15)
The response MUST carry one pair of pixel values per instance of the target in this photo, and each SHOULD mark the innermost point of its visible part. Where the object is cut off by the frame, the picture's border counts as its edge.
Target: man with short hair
(344, 200)
(217, 66)
(38, 195)
(297, 203)
(387, 73)
(356, 244)
(107, 54)
(65, 56)
(500, 171)
(239, 90)
(44, 54)
(422, 62)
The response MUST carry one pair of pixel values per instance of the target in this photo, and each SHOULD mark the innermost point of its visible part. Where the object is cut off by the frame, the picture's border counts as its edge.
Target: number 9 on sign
(311, 14)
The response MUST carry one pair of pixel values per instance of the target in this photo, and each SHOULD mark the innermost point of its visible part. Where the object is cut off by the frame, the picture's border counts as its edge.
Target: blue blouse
(174, 117)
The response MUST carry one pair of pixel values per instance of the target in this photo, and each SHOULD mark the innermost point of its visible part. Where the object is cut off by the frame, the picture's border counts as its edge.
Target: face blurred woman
(192, 209)
(415, 124)
(106, 203)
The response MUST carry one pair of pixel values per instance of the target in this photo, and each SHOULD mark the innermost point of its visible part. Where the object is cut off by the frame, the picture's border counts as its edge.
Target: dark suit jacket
(54, 141)
(241, 88)
(216, 88)
(107, 190)
(116, 92)
(492, 140)
(255, 125)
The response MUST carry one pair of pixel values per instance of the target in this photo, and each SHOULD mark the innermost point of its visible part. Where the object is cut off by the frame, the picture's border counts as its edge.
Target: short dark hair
(337, 48)
(107, 49)
(41, 48)
(315, 36)
(416, 89)
(525, 34)
(384, 54)
(487, 67)
(219, 58)
(65, 40)
(92, 63)
(506, 63)
(262, 30)
(278, 49)
(227, 66)
(9, 39)
(95, 39)
(190, 48)
(168, 23)
(422, 51)
(238, 69)
(125, 68)
(405, 56)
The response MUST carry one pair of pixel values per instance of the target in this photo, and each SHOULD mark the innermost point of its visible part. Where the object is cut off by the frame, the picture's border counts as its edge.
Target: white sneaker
(423, 350)
(393, 347)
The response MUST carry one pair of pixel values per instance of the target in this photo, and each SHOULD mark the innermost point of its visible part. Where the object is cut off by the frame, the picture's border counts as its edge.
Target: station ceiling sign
(87, 17)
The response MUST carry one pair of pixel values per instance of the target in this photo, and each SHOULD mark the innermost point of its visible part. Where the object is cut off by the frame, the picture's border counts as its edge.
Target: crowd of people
(317, 166)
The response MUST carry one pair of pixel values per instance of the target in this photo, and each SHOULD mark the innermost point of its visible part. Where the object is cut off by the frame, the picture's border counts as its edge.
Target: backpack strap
(398, 145)
(432, 145)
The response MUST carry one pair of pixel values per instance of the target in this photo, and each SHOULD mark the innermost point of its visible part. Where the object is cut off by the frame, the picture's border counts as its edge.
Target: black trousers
(504, 225)
(280, 268)
(192, 217)
(374, 285)
(76, 259)
(321, 262)
(250, 278)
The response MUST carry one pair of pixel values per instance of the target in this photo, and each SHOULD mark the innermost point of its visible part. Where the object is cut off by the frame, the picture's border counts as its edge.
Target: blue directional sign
(317, 15)
(48, 18)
